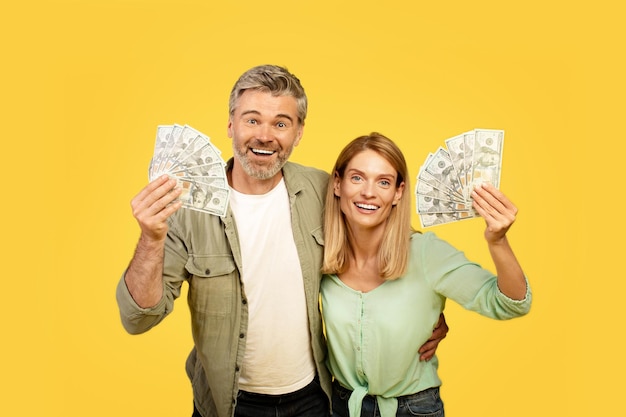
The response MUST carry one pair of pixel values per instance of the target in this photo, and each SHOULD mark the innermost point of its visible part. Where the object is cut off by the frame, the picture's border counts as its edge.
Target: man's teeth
(367, 206)
(263, 151)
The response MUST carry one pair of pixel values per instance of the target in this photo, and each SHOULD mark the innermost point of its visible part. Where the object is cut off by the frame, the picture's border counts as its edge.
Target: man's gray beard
(261, 173)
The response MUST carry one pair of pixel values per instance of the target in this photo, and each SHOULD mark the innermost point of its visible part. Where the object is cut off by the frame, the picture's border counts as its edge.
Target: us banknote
(187, 155)
(447, 176)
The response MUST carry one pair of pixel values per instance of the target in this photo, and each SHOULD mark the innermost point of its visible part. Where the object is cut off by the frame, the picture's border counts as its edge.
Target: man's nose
(264, 133)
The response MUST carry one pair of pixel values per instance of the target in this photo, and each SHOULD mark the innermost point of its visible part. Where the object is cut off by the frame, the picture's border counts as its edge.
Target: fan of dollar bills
(446, 178)
(188, 156)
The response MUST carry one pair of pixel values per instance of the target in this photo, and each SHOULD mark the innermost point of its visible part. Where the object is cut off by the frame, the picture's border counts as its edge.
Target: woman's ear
(336, 185)
(398, 195)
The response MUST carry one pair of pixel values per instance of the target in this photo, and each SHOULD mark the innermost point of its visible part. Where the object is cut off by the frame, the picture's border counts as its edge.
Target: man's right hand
(153, 205)
(151, 208)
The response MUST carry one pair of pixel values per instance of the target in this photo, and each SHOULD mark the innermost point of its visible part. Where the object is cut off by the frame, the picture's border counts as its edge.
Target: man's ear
(299, 135)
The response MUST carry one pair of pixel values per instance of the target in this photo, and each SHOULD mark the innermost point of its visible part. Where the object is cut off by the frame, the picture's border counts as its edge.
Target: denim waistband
(338, 387)
(269, 399)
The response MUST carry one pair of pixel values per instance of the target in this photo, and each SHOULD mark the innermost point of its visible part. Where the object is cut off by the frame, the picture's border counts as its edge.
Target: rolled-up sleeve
(136, 319)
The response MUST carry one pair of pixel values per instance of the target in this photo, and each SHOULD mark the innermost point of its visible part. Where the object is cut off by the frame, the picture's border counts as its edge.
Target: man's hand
(153, 205)
(151, 208)
(427, 351)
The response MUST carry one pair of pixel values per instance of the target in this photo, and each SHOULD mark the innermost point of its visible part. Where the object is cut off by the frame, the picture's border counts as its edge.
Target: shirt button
(241, 335)
(244, 301)
(207, 271)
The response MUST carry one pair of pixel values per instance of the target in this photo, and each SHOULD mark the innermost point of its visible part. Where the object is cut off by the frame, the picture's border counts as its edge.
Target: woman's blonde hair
(393, 253)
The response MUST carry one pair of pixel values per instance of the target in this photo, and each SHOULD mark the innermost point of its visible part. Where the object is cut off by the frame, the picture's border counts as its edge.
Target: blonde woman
(385, 285)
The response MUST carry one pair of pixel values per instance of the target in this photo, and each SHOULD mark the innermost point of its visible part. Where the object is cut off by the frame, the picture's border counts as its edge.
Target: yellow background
(85, 83)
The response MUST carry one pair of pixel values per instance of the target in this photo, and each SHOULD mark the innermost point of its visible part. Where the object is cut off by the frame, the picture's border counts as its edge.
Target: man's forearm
(144, 276)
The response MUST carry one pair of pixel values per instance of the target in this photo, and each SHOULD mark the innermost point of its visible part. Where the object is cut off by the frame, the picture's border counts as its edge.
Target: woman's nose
(367, 189)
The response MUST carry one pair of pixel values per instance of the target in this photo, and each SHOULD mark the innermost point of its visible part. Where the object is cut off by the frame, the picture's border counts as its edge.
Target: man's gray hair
(272, 79)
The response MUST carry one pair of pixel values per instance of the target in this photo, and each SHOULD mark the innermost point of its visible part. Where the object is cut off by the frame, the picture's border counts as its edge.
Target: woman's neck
(363, 272)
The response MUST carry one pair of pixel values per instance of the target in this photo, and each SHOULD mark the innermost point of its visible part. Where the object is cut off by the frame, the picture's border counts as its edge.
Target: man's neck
(243, 183)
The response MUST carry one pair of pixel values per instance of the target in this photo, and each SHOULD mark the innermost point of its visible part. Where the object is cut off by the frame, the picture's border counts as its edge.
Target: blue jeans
(310, 401)
(425, 403)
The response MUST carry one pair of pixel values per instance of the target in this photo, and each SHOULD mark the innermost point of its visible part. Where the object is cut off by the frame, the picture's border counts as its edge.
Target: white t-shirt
(278, 358)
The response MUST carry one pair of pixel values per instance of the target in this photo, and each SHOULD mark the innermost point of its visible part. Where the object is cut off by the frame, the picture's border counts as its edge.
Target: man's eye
(281, 124)
(252, 121)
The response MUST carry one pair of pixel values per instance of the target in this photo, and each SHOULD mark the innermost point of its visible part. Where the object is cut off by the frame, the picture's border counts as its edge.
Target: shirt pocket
(212, 285)
(316, 250)
(318, 235)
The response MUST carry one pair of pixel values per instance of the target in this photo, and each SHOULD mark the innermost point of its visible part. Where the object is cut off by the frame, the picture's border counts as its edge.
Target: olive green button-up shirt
(203, 250)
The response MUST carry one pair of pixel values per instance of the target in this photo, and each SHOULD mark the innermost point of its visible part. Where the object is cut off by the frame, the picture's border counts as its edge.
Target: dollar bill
(487, 157)
(186, 144)
(468, 160)
(196, 167)
(428, 204)
(203, 197)
(433, 219)
(164, 157)
(219, 182)
(427, 178)
(456, 149)
(446, 179)
(188, 156)
(427, 189)
(162, 137)
(441, 168)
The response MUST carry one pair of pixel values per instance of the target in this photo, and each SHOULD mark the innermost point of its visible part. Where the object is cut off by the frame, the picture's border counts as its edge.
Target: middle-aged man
(253, 274)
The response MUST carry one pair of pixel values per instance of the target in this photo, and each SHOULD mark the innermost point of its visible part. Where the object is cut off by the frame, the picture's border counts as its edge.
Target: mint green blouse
(373, 337)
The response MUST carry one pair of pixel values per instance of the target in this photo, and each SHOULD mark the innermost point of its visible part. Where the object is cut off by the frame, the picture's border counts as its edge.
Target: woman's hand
(497, 210)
